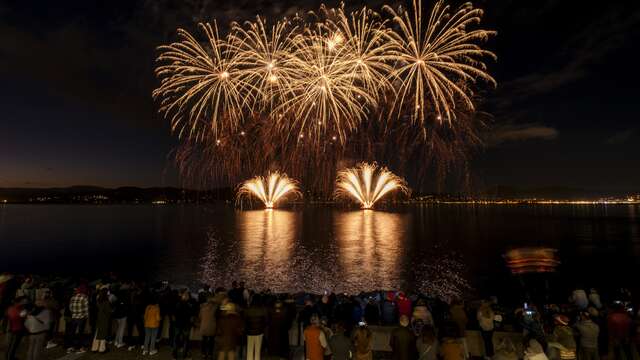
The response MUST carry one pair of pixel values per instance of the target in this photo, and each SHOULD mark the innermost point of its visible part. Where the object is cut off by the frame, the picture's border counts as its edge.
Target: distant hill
(95, 194)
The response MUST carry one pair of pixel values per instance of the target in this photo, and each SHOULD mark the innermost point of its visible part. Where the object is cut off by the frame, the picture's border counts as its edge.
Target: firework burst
(367, 183)
(437, 60)
(202, 89)
(265, 55)
(310, 91)
(271, 189)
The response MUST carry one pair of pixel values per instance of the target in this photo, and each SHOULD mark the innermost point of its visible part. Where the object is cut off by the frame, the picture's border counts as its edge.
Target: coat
(255, 320)
(230, 331)
(278, 332)
(103, 319)
(207, 318)
(403, 344)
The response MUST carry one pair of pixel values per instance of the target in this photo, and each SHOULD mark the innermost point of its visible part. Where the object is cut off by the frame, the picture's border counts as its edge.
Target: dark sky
(77, 77)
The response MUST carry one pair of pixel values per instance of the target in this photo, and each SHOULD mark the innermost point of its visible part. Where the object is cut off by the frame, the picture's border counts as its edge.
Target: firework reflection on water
(363, 251)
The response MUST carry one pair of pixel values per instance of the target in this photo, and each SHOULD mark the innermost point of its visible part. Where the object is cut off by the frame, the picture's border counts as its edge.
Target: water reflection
(266, 238)
(370, 244)
(268, 252)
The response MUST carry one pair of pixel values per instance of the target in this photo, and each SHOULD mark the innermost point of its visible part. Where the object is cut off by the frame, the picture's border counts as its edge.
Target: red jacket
(619, 324)
(16, 321)
(404, 306)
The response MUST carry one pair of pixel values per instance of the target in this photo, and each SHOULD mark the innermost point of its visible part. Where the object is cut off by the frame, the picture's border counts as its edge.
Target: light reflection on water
(427, 246)
(370, 245)
(363, 253)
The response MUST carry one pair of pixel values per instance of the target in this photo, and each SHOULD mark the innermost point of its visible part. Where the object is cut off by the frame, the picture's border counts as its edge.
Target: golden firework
(367, 183)
(201, 87)
(265, 55)
(271, 189)
(437, 60)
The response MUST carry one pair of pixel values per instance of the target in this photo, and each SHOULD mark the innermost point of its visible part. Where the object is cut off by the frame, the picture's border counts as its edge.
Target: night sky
(77, 78)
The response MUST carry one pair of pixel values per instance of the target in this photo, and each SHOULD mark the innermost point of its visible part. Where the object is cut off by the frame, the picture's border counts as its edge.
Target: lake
(444, 249)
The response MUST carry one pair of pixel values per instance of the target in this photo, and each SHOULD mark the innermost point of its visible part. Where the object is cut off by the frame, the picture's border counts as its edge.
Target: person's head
(211, 299)
(242, 284)
(234, 284)
(315, 320)
(593, 291)
(404, 321)
(592, 312)
(185, 296)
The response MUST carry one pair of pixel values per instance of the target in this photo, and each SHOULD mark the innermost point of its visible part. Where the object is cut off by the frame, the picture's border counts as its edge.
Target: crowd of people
(237, 323)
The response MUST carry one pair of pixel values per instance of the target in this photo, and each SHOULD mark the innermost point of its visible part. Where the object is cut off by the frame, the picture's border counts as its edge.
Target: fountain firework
(270, 189)
(368, 183)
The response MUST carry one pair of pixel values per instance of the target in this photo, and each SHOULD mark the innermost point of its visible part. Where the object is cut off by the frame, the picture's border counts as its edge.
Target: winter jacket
(403, 344)
(207, 318)
(152, 316)
(103, 319)
(230, 328)
(255, 320)
(278, 332)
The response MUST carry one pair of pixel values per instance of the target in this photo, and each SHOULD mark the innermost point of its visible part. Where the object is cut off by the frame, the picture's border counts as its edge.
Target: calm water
(438, 248)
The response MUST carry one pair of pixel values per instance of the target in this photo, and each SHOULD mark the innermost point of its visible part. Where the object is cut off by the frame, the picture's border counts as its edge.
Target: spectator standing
(255, 325)
(485, 320)
(278, 330)
(207, 319)
(38, 323)
(589, 332)
(230, 329)
(341, 346)
(79, 309)
(314, 339)
(120, 311)
(103, 321)
(151, 327)
(135, 316)
(183, 321)
(389, 310)
(619, 328)
(16, 314)
(403, 341)
(362, 341)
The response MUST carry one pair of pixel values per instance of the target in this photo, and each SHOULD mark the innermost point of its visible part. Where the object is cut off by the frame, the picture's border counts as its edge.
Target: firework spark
(367, 183)
(265, 55)
(201, 88)
(270, 190)
(312, 90)
(437, 60)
